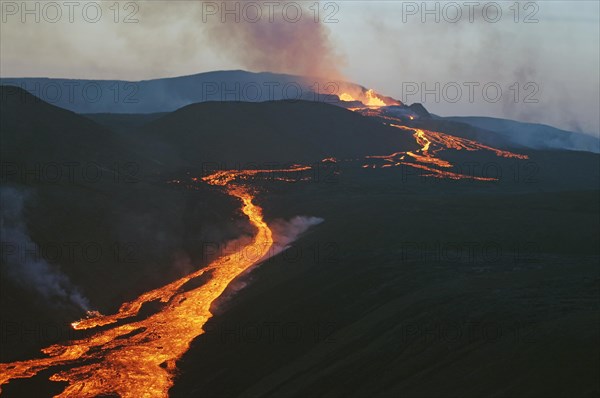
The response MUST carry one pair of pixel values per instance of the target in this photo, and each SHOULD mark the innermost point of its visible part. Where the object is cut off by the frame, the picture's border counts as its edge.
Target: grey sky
(384, 45)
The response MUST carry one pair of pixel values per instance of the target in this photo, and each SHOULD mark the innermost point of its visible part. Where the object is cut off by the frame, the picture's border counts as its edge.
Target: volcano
(440, 243)
(170, 94)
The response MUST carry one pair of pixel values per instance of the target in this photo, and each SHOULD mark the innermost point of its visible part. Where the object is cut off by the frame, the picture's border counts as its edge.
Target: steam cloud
(286, 232)
(27, 269)
(281, 40)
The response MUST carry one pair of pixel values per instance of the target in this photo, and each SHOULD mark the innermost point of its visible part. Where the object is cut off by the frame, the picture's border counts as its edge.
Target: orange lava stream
(137, 359)
(224, 177)
(426, 137)
(432, 143)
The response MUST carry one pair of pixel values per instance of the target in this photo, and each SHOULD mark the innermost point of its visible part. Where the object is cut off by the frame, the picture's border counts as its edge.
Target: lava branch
(432, 143)
(137, 359)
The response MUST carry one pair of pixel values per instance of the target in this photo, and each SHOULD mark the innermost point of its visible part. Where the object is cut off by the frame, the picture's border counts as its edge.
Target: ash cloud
(19, 259)
(285, 40)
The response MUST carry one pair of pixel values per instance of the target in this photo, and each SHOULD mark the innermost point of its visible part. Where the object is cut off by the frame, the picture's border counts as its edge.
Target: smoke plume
(284, 39)
(20, 260)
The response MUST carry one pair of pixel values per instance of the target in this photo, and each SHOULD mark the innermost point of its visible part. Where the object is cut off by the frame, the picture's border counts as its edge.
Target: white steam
(286, 232)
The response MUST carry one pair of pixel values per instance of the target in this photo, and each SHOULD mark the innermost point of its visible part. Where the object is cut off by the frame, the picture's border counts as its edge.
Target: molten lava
(372, 100)
(432, 144)
(369, 99)
(346, 97)
(137, 358)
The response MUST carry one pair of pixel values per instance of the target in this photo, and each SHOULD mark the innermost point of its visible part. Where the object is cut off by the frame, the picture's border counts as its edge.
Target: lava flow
(432, 144)
(137, 358)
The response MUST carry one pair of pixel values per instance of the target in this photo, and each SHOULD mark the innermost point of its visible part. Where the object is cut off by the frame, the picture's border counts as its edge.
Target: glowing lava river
(130, 357)
(137, 359)
(432, 144)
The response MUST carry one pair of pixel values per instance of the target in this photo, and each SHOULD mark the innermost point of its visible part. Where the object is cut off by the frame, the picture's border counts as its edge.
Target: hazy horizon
(381, 45)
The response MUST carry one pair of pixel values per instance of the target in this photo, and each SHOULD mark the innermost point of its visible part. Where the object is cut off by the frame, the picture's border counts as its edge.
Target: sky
(529, 61)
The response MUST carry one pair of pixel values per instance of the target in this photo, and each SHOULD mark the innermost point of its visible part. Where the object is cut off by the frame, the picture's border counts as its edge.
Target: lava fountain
(369, 98)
